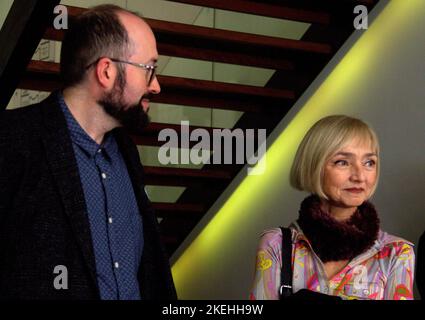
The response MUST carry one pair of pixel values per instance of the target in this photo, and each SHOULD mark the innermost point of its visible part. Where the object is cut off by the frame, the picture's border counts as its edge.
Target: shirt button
(103, 175)
(99, 151)
(110, 220)
(116, 265)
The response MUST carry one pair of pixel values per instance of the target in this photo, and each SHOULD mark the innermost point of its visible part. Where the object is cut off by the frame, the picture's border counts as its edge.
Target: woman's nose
(357, 172)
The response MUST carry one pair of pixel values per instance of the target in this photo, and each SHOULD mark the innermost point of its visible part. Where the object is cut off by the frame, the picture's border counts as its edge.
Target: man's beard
(131, 116)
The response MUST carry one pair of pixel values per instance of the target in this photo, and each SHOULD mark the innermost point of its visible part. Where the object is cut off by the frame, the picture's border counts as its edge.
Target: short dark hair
(96, 33)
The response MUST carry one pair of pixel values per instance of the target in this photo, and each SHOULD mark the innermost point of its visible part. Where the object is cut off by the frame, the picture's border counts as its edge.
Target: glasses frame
(150, 68)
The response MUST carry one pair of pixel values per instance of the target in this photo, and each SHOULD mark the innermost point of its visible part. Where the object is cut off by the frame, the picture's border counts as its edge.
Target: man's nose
(154, 87)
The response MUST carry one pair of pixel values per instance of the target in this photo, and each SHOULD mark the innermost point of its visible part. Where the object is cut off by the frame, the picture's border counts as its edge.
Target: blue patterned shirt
(115, 220)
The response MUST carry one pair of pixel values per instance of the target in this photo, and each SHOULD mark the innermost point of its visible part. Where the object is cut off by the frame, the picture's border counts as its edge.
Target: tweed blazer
(43, 215)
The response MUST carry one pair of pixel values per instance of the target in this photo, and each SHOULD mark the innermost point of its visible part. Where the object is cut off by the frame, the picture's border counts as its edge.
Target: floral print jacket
(384, 272)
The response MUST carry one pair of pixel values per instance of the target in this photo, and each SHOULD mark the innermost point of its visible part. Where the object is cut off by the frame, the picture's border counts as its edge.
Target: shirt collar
(82, 139)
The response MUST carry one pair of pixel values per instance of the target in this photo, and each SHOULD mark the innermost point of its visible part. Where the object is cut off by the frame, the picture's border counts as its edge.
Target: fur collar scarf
(333, 240)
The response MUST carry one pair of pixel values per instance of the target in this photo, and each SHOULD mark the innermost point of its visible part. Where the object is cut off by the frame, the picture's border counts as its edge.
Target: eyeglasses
(151, 69)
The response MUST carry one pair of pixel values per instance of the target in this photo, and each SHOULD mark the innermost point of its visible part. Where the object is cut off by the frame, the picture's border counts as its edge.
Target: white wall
(383, 82)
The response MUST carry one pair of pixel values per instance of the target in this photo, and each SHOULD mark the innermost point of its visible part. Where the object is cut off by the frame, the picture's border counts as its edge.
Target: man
(75, 222)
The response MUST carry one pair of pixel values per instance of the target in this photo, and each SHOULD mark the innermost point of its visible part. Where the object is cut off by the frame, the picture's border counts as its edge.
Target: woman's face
(350, 174)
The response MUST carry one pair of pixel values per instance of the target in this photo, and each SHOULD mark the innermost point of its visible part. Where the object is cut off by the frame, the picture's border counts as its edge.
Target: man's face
(131, 115)
(128, 100)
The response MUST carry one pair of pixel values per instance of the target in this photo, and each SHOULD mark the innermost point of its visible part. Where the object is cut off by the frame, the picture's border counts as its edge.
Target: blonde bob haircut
(321, 142)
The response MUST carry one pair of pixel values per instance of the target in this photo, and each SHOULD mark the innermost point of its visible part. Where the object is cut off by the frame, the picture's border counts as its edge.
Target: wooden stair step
(212, 94)
(169, 176)
(196, 42)
(44, 76)
(217, 36)
(149, 135)
(164, 209)
(316, 5)
(309, 11)
(169, 240)
(155, 127)
(188, 30)
(263, 9)
(182, 172)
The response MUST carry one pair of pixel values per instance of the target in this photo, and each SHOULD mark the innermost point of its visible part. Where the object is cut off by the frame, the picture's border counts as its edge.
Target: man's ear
(106, 72)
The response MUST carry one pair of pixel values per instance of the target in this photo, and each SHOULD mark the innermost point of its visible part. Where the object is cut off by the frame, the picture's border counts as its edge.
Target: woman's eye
(370, 163)
(341, 162)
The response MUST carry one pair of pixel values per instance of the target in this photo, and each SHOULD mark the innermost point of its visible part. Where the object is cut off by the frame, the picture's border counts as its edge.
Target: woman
(337, 246)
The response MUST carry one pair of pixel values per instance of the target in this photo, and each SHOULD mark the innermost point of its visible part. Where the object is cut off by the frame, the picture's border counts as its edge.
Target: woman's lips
(355, 190)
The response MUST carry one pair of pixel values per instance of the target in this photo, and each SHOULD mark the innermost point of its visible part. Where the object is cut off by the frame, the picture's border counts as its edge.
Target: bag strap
(286, 271)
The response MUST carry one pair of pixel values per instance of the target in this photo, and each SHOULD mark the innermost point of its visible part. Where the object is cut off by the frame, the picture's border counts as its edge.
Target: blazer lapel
(63, 165)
